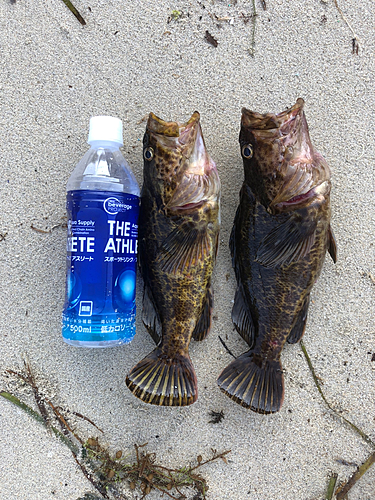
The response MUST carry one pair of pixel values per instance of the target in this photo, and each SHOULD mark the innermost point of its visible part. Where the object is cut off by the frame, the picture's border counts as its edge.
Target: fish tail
(254, 382)
(164, 381)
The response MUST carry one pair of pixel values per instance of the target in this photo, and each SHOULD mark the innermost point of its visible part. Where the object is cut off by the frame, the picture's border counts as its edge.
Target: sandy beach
(131, 58)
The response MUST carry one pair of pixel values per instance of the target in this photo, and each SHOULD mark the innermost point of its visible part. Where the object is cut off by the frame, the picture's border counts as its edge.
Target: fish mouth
(173, 129)
(292, 164)
(181, 138)
(195, 174)
(200, 180)
(270, 121)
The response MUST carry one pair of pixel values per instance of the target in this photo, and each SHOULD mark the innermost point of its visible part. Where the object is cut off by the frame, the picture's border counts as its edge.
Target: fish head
(281, 165)
(177, 168)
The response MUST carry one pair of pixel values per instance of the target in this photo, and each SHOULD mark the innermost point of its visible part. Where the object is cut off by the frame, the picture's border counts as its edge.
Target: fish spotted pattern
(178, 238)
(278, 244)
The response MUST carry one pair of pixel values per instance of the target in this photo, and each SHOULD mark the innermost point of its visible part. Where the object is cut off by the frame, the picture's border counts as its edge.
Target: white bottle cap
(105, 128)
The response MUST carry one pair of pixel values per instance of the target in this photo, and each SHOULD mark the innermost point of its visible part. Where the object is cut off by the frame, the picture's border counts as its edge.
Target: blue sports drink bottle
(102, 206)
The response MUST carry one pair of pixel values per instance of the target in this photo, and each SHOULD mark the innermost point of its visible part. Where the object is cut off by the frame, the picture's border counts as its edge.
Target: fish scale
(278, 243)
(178, 239)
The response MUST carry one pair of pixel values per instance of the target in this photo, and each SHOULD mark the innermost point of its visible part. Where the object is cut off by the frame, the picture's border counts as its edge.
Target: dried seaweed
(74, 11)
(226, 348)
(254, 21)
(108, 472)
(28, 378)
(62, 224)
(353, 426)
(355, 39)
(342, 491)
(13, 399)
(331, 486)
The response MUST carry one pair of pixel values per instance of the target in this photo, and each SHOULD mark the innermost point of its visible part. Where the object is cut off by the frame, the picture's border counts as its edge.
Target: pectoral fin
(289, 242)
(150, 317)
(204, 323)
(184, 247)
(332, 248)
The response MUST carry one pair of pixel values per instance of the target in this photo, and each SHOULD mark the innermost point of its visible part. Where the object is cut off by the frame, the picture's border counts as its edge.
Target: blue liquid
(100, 308)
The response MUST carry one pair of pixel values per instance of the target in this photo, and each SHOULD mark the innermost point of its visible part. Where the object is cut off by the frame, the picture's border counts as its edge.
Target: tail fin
(254, 383)
(164, 381)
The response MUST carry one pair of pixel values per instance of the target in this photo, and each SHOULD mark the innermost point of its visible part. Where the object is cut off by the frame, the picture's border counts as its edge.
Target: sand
(127, 61)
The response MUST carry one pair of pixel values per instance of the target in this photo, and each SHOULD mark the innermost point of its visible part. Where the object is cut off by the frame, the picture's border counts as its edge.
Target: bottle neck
(105, 145)
(103, 168)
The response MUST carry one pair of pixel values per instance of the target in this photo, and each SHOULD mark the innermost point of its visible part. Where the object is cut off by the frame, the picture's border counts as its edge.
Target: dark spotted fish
(278, 243)
(178, 238)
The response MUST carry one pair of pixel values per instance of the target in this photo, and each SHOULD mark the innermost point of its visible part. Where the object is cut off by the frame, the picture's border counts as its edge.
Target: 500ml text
(80, 329)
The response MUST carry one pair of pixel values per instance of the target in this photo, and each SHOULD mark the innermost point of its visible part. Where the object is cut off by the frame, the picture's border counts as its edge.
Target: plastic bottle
(102, 205)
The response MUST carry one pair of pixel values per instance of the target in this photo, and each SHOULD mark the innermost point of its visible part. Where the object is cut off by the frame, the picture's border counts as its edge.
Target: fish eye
(247, 151)
(148, 154)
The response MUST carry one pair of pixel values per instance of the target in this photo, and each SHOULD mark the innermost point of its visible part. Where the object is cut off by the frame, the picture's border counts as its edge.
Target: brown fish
(278, 243)
(178, 239)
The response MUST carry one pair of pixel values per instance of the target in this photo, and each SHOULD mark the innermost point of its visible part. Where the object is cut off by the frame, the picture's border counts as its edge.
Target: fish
(278, 243)
(179, 226)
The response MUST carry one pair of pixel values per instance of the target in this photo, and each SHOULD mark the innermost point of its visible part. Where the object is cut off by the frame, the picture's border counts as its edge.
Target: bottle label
(101, 266)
